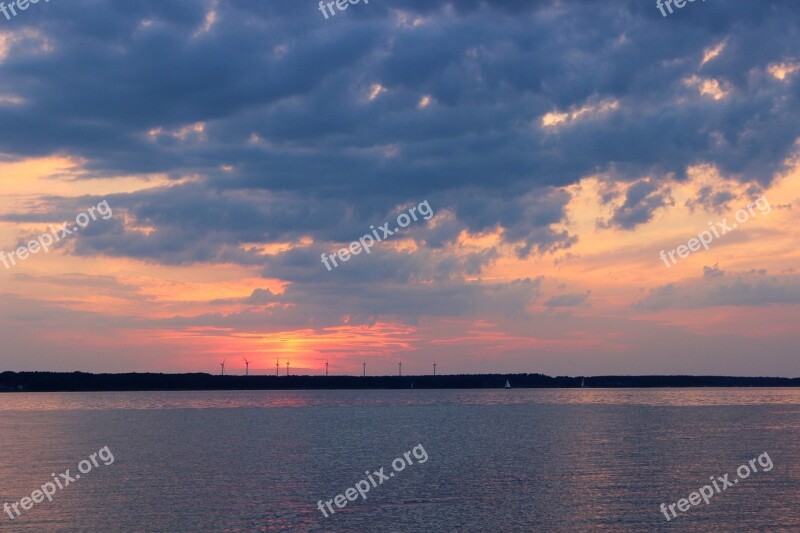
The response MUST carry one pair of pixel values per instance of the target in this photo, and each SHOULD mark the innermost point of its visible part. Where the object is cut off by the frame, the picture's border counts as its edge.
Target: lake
(494, 460)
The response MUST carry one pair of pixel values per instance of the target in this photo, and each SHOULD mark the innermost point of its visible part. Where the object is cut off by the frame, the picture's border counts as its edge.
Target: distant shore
(85, 382)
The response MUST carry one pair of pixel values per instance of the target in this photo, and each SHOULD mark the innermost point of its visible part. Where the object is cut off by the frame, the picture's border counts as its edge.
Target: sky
(560, 146)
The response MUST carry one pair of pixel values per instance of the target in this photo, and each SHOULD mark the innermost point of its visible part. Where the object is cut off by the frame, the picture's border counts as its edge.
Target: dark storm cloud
(284, 98)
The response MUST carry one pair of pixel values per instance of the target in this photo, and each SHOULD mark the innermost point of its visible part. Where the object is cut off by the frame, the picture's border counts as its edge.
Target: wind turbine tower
(222, 367)
(246, 366)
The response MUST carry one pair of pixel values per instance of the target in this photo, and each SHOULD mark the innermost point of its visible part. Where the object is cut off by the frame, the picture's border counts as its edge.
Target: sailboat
(582, 382)
(508, 385)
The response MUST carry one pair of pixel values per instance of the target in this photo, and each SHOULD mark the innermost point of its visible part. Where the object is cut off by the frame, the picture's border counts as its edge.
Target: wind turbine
(222, 365)
(326, 368)
(246, 366)
(276, 366)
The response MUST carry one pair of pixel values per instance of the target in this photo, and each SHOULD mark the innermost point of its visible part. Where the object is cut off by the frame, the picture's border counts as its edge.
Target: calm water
(515, 460)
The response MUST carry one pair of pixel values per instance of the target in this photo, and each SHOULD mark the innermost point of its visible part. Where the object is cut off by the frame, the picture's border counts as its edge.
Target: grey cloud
(710, 200)
(292, 146)
(642, 200)
(568, 300)
(741, 290)
(713, 271)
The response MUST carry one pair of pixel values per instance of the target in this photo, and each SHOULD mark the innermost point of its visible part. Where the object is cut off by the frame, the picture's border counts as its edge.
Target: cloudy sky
(561, 146)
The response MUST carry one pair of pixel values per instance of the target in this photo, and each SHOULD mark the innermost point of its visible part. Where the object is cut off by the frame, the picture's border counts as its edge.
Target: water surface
(499, 460)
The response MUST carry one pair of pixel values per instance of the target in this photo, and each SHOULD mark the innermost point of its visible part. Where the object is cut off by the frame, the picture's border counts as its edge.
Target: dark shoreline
(84, 382)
